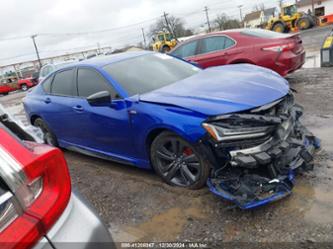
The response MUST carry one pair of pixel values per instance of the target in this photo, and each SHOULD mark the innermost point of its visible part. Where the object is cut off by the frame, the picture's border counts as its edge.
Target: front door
(103, 129)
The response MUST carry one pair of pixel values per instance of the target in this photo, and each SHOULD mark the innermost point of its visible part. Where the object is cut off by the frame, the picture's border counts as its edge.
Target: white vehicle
(49, 68)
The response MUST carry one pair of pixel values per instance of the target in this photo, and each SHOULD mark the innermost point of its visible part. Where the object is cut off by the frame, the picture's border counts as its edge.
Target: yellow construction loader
(163, 42)
(291, 20)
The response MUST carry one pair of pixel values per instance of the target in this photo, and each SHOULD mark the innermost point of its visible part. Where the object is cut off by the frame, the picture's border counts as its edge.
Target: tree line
(179, 29)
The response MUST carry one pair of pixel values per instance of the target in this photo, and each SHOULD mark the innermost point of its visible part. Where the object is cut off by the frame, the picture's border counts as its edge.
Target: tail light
(280, 48)
(39, 190)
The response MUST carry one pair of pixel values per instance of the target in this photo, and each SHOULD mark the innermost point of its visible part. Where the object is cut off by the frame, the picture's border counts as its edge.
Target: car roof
(109, 59)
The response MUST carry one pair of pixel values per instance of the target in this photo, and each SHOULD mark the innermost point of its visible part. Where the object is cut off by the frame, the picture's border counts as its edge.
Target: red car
(283, 53)
(11, 84)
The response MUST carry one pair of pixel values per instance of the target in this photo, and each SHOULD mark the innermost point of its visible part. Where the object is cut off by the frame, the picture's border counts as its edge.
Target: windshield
(168, 37)
(149, 72)
(291, 10)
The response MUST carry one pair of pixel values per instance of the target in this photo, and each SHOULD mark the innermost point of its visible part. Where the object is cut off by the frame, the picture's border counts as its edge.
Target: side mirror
(100, 99)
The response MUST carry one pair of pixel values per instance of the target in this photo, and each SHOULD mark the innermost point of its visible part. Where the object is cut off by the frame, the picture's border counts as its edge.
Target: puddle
(322, 127)
(315, 204)
(166, 226)
(312, 60)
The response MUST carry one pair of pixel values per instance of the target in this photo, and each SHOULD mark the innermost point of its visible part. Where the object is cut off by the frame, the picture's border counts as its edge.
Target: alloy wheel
(178, 162)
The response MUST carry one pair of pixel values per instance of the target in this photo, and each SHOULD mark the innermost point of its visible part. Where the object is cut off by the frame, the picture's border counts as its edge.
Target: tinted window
(63, 83)
(216, 43)
(47, 84)
(89, 82)
(186, 50)
(149, 72)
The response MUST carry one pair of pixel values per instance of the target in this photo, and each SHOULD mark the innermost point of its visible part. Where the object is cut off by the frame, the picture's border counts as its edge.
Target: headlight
(220, 133)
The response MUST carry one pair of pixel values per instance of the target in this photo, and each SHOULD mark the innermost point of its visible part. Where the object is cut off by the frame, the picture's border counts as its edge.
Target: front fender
(151, 117)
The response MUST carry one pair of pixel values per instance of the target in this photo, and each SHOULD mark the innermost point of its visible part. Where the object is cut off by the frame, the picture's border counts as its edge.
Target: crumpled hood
(221, 90)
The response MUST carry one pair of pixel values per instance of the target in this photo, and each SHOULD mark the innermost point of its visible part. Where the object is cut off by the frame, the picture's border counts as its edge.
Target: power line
(99, 31)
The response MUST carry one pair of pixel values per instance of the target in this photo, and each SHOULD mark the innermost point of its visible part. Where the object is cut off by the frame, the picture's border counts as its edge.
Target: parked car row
(234, 127)
(283, 53)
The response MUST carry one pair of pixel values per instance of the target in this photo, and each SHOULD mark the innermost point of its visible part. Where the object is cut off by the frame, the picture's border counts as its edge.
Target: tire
(165, 49)
(24, 87)
(49, 137)
(304, 23)
(177, 162)
(279, 27)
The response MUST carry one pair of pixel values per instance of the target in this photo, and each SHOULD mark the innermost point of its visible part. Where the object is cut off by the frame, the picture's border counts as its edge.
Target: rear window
(47, 84)
(261, 33)
(63, 83)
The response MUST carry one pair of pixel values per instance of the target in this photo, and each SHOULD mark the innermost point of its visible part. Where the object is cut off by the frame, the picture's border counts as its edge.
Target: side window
(89, 82)
(228, 43)
(47, 84)
(186, 50)
(63, 83)
(214, 43)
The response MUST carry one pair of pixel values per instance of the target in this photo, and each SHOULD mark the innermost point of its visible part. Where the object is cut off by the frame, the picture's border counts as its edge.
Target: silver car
(38, 208)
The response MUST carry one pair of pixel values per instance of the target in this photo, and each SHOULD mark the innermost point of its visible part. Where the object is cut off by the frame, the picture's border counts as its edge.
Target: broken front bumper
(260, 169)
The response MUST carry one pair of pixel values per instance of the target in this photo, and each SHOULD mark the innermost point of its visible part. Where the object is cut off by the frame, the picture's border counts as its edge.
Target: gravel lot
(138, 206)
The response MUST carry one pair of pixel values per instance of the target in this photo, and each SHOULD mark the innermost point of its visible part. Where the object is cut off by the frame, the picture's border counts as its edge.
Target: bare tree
(177, 26)
(220, 21)
(259, 7)
(224, 22)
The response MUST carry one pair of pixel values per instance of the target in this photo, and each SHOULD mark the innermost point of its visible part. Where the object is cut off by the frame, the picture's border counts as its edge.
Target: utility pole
(313, 10)
(36, 49)
(98, 48)
(240, 12)
(144, 37)
(207, 18)
(165, 15)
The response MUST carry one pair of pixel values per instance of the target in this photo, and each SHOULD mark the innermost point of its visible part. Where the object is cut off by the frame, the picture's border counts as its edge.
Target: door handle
(47, 101)
(78, 108)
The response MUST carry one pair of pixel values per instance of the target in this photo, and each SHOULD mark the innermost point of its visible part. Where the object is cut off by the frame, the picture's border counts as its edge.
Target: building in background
(257, 19)
(321, 7)
(26, 69)
(253, 19)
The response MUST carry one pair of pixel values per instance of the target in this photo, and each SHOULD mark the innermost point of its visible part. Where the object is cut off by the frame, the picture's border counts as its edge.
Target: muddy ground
(137, 206)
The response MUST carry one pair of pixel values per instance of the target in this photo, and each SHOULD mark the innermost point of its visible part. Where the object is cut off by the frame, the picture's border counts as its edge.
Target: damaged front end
(261, 151)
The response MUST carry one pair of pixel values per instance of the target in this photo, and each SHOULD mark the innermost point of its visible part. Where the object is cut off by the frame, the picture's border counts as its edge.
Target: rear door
(58, 103)
(214, 51)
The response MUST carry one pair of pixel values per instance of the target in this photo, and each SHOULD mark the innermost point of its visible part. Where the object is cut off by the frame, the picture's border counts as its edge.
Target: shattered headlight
(221, 132)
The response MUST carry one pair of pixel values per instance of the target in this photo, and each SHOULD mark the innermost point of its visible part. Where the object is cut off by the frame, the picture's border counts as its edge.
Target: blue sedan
(234, 127)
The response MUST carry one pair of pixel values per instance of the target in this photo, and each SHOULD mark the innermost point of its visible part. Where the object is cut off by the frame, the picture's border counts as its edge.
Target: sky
(64, 26)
